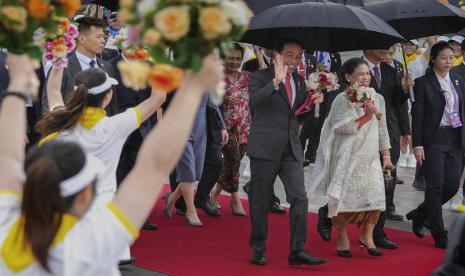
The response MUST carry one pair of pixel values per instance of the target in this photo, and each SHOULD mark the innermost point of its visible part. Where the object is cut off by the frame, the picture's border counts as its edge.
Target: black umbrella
(419, 18)
(257, 6)
(321, 26)
(112, 5)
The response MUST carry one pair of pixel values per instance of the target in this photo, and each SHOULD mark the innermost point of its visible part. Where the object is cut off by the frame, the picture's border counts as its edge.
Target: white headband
(92, 169)
(104, 86)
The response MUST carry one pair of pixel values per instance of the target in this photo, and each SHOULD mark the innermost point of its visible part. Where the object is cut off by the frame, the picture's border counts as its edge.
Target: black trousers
(442, 169)
(128, 156)
(211, 171)
(311, 131)
(264, 173)
(395, 154)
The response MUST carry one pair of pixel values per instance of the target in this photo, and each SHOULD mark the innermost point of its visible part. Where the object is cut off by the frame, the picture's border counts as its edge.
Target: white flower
(237, 11)
(39, 37)
(146, 6)
(359, 95)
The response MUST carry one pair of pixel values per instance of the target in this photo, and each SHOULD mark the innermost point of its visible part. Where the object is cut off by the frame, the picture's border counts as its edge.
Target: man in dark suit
(89, 44)
(438, 142)
(386, 81)
(128, 98)
(274, 149)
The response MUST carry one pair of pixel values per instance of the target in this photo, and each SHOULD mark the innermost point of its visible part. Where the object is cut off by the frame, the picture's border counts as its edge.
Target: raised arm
(164, 145)
(54, 97)
(152, 104)
(13, 124)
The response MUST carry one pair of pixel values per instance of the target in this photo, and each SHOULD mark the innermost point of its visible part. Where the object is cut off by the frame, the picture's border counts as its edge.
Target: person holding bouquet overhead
(347, 167)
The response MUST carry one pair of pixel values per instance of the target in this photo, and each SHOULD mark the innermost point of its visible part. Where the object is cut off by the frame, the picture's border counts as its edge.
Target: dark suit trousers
(395, 154)
(264, 174)
(211, 171)
(311, 131)
(128, 155)
(442, 170)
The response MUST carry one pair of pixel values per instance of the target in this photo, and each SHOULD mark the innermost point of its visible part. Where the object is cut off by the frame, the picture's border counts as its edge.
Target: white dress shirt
(84, 61)
(450, 96)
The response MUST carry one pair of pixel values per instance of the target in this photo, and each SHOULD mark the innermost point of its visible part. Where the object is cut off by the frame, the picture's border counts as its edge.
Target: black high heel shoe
(372, 251)
(344, 253)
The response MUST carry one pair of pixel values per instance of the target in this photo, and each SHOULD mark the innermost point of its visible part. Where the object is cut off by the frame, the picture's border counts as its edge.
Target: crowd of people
(98, 152)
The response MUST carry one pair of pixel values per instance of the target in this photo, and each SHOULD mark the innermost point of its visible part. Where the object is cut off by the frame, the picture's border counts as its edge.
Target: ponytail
(65, 118)
(42, 205)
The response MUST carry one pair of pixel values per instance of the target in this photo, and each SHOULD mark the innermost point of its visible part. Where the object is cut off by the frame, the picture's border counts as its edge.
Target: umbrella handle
(411, 95)
(410, 89)
(317, 110)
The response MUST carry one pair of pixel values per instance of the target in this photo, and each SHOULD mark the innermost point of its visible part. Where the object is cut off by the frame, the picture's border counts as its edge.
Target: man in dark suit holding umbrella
(274, 149)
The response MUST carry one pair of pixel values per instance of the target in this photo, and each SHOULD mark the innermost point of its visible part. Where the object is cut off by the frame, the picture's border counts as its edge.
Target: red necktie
(289, 89)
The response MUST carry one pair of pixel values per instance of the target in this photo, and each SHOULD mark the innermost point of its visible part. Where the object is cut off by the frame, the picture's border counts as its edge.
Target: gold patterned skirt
(358, 218)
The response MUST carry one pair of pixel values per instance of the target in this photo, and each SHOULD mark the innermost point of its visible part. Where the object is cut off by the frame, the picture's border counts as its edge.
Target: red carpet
(221, 248)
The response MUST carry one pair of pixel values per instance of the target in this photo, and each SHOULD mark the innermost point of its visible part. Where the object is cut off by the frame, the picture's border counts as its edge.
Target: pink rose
(49, 45)
(72, 31)
(133, 35)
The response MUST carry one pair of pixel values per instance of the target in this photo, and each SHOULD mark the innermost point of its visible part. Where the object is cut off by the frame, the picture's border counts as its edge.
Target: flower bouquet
(317, 82)
(360, 96)
(182, 32)
(20, 19)
(59, 44)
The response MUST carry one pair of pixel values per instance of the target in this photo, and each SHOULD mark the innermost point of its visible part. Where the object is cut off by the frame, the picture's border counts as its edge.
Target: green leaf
(196, 62)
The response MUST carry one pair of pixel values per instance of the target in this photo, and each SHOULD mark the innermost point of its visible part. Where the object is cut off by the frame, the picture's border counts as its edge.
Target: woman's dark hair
(239, 48)
(350, 65)
(436, 49)
(65, 118)
(42, 205)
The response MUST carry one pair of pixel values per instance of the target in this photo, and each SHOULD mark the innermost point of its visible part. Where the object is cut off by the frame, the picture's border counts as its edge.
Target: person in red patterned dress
(237, 118)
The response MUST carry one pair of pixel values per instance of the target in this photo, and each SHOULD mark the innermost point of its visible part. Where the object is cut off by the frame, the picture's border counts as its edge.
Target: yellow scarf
(17, 253)
(458, 60)
(90, 117)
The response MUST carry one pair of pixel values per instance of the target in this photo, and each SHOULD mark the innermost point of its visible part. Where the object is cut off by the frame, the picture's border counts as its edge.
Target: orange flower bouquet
(23, 23)
(182, 32)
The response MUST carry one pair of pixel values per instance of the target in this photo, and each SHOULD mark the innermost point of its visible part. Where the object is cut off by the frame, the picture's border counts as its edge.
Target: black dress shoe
(322, 227)
(246, 187)
(385, 243)
(306, 163)
(208, 209)
(419, 184)
(277, 209)
(400, 181)
(417, 226)
(128, 261)
(392, 215)
(259, 258)
(441, 242)
(344, 253)
(149, 226)
(303, 257)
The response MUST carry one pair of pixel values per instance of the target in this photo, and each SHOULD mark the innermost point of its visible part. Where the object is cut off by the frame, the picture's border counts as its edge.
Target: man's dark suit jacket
(394, 96)
(67, 84)
(400, 113)
(459, 70)
(274, 126)
(4, 77)
(429, 107)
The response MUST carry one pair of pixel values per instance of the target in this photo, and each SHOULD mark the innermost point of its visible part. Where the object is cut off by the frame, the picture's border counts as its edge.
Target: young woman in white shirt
(47, 225)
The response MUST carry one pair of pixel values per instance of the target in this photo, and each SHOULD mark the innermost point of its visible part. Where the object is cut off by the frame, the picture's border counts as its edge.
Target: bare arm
(54, 96)
(165, 144)
(13, 124)
(148, 107)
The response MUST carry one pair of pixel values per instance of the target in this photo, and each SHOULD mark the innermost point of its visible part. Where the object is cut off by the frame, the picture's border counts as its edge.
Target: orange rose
(151, 37)
(71, 6)
(60, 50)
(142, 54)
(38, 8)
(173, 22)
(16, 18)
(214, 23)
(58, 41)
(64, 25)
(134, 74)
(165, 77)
